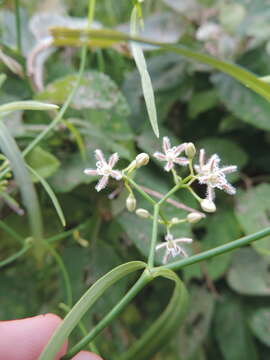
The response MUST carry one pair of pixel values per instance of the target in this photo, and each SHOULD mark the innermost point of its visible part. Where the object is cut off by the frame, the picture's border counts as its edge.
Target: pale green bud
(131, 202)
(174, 220)
(190, 150)
(194, 217)
(142, 213)
(142, 160)
(208, 205)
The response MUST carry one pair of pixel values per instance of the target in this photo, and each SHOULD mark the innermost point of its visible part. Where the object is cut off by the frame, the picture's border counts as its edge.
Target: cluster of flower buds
(207, 173)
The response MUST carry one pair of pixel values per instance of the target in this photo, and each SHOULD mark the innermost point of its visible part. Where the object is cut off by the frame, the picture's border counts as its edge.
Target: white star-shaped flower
(213, 176)
(104, 169)
(171, 154)
(172, 247)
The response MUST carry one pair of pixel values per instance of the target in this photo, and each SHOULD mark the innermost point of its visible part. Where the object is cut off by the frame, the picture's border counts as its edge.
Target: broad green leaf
(260, 325)
(201, 102)
(165, 326)
(252, 212)
(70, 174)
(42, 162)
(229, 152)
(84, 304)
(231, 331)
(231, 16)
(103, 258)
(192, 8)
(242, 102)
(249, 274)
(19, 296)
(197, 323)
(147, 87)
(96, 91)
(221, 228)
(30, 200)
(8, 34)
(115, 127)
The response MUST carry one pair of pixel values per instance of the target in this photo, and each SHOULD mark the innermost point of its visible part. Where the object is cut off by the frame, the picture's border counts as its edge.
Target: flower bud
(208, 205)
(131, 202)
(190, 150)
(142, 213)
(194, 217)
(142, 159)
(174, 220)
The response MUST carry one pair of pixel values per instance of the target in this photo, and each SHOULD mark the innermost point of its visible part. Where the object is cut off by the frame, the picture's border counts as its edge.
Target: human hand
(26, 338)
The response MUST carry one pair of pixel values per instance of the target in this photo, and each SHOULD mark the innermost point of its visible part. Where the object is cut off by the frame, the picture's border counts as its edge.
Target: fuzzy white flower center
(170, 155)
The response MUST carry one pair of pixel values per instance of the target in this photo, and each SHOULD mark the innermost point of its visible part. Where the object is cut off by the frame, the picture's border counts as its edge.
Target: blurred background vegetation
(229, 313)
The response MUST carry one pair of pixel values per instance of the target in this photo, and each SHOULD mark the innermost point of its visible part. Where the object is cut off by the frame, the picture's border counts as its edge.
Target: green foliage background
(229, 309)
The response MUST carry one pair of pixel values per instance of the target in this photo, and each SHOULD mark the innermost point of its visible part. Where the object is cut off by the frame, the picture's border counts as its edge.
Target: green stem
(145, 196)
(65, 275)
(18, 26)
(140, 191)
(170, 193)
(66, 234)
(218, 250)
(15, 256)
(138, 286)
(151, 257)
(193, 193)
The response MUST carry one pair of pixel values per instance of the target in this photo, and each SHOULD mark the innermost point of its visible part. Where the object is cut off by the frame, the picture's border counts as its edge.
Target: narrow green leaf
(165, 326)
(51, 194)
(27, 105)
(30, 200)
(84, 304)
(64, 37)
(147, 87)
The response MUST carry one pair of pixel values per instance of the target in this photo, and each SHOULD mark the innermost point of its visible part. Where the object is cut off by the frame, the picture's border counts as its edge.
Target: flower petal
(160, 156)
(210, 193)
(160, 246)
(113, 159)
(228, 169)
(181, 161)
(102, 183)
(213, 162)
(168, 166)
(91, 172)
(202, 158)
(180, 148)
(99, 156)
(197, 168)
(166, 144)
(116, 174)
(229, 189)
(185, 240)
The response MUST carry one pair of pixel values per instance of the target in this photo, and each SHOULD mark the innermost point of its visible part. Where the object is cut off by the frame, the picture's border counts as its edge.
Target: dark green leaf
(249, 273)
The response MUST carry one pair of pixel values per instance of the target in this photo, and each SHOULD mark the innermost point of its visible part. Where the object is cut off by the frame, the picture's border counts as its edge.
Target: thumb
(85, 355)
(26, 338)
